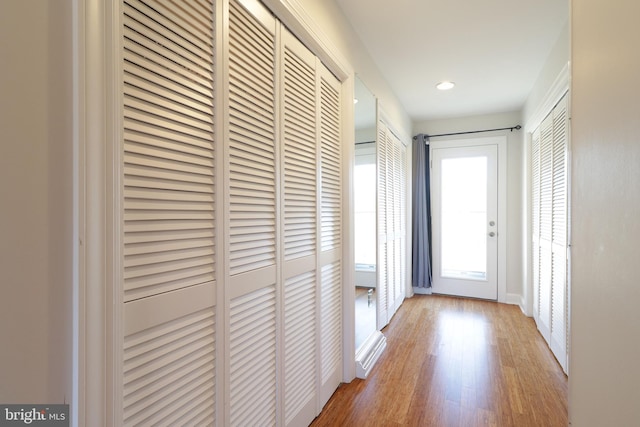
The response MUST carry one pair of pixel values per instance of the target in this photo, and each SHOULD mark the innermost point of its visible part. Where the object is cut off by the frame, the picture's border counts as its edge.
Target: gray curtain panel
(421, 253)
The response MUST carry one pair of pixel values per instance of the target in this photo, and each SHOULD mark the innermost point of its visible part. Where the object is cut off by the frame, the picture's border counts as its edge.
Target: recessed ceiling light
(445, 85)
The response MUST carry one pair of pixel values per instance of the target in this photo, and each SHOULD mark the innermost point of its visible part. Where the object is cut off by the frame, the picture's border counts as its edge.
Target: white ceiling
(493, 50)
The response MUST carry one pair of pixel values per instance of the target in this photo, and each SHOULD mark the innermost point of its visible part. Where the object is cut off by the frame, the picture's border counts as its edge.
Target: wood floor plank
(456, 362)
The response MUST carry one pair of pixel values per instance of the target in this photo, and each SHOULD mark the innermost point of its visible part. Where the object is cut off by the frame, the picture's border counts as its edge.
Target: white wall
(549, 87)
(60, 200)
(35, 194)
(514, 183)
(23, 191)
(604, 376)
(329, 17)
(534, 109)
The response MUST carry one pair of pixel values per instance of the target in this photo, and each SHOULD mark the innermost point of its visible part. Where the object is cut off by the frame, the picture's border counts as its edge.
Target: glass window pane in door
(464, 218)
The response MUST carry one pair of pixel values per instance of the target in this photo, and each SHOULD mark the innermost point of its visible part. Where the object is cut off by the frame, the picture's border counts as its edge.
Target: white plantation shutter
(330, 228)
(549, 217)
(168, 213)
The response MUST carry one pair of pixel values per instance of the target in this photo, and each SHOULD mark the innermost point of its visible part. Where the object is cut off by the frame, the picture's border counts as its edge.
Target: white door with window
(464, 197)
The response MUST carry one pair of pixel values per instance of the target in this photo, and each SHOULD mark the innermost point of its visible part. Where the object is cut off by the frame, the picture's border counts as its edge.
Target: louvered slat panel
(382, 181)
(389, 194)
(382, 267)
(559, 301)
(331, 165)
(169, 373)
(398, 292)
(252, 182)
(535, 184)
(299, 137)
(391, 277)
(299, 343)
(546, 218)
(331, 319)
(382, 285)
(549, 216)
(559, 289)
(252, 359)
(404, 173)
(559, 230)
(169, 166)
(535, 219)
(398, 220)
(150, 18)
(390, 223)
(397, 184)
(546, 178)
(545, 288)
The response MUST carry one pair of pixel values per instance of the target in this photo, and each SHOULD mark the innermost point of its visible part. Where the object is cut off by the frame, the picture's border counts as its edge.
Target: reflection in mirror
(364, 182)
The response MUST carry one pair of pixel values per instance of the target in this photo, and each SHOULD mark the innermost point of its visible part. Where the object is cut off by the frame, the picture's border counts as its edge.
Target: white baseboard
(422, 291)
(517, 299)
(368, 353)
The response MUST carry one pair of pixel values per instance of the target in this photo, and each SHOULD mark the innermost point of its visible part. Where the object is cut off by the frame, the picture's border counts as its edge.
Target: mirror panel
(365, 212)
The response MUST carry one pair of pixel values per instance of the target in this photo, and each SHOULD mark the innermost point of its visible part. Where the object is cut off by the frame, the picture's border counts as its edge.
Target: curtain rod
(517, 127)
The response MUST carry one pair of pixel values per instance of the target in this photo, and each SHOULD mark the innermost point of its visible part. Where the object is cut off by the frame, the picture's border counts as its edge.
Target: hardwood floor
(456, 362)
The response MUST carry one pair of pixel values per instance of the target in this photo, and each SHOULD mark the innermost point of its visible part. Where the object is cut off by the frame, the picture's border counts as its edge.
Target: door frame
(501, 141)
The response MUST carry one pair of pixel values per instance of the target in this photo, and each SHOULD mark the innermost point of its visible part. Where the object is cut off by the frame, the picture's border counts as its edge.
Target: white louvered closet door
(392, 179)
(382, 267)
(250, 287)
(168, 216)
(299, 224)
(559, 237)
(284, 288)
(399, 215)
(549, 159)
(535, 220)
(330, 230)
(254, 219)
